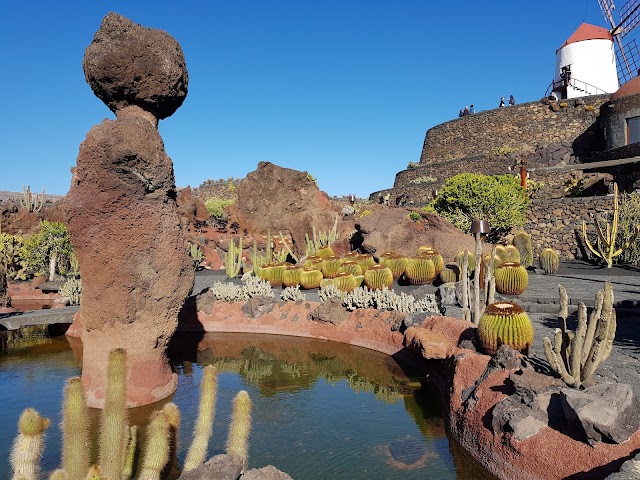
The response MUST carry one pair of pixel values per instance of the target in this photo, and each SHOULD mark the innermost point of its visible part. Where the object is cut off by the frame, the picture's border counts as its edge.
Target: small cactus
(549, 261)
(511, 278)
(458, 258)
(420, 271)
(507, 254)
(233, 259)
(75, 430)
(365, 261)
(240, 427)
(378, 277)
(28, 446)
(505, 323)
(156, 453)
(343, 281)
(447, 275)
(396, 263)
(522, 242)
(273, 273)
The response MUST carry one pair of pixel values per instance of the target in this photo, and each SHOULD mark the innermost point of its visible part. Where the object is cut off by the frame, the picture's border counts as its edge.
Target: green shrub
(49, 250)
(216, 206)
(415, 216)
(628, 219)
(419, 180)
(502, 150)
(499, 199)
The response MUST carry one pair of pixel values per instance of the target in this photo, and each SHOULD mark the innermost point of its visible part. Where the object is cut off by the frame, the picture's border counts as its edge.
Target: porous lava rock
(190, 208)
(124, 224)
(128, 64)
(282, 200)
(390, 229)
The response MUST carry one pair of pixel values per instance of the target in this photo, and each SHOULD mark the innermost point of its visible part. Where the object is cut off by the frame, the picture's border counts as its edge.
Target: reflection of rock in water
(408, 452)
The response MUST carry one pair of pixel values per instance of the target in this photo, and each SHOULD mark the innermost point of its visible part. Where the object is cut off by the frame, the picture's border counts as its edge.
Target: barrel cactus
(436, 258)
(325, 252)
(522, 242)
(343, 281)
(507, 254)
(351, 266)
(313, 262)
(330, 267)
(273, 273)
(365, 261)
(420, 271)
(378, 277)
(447, 275)
(310, 279)
(291, 276)
(505, 323)
(549, 261)
(396, 263)
(511, 278)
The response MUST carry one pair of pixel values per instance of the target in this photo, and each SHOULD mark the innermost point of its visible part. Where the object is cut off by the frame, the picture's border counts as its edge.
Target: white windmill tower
(586, 63)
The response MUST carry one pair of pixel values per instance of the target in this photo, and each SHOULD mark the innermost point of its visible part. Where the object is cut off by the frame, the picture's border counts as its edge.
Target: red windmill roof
(586, 31)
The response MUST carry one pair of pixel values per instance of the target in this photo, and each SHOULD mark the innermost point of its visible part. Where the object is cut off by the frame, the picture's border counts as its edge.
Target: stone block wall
(617, 113)
(557, 223)
(522, 127)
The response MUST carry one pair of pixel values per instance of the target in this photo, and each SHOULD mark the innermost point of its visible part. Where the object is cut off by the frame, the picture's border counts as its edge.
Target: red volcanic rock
(389, 229)
(191, 209)
(282, 200)
(127, 64)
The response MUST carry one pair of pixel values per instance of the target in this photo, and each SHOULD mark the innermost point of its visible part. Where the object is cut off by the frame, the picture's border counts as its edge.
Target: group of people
(512, 101)
(467, 111)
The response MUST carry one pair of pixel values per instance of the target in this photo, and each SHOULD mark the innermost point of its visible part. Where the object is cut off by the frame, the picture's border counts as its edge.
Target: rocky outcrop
(190, 208)
(122, 214)
(282, 200)
(391, 229)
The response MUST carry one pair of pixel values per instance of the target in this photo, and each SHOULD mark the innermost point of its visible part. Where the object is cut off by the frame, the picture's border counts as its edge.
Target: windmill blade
(607, 8)
(630, 15)
(628, 69)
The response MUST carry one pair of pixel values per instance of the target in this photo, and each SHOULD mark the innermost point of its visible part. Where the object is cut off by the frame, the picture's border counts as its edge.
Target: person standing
(512, 101)
(501, 101)
(472, 109)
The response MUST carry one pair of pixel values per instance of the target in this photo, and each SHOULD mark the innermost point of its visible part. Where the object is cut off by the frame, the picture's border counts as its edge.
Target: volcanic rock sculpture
(121, 211)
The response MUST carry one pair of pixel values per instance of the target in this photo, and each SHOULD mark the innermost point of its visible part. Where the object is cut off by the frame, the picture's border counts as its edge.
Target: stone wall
(557, 223)
(617, 113)
(521, 127)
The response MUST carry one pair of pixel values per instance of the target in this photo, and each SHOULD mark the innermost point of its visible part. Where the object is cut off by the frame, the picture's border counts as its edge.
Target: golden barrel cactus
(511, 278)
(505, 323)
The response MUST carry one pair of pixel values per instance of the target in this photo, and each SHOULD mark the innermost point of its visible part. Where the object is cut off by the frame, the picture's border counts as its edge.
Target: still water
(320, 409)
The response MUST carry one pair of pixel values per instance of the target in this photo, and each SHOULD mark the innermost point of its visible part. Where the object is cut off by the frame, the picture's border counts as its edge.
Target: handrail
(574, 82)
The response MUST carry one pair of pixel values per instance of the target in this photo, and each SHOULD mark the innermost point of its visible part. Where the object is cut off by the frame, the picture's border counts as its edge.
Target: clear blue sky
(343, 89)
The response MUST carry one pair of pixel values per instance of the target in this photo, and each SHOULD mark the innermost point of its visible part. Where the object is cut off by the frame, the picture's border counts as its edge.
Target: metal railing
(577, 84)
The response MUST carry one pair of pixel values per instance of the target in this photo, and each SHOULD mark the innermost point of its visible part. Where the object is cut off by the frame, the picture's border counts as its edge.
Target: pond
(320, 409)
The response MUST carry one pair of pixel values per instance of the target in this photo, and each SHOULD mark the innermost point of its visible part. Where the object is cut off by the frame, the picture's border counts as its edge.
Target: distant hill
(4, 196)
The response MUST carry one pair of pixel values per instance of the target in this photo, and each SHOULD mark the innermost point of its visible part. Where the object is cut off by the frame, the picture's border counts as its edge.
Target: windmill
(627, 54)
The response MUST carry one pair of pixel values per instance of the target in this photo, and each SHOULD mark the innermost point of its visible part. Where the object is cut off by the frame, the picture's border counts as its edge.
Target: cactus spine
(365, 261)
(325, 252)
(575, 356)
(522, 242)
(113, 423)
(233, 259)
(378, 277)
(511, 279)
(75, 431)
(28, 446)
(130, 452)
(204, 423)
(157, 449)
(505, 323)
(549, 261)
(238, 438)
(607, 239)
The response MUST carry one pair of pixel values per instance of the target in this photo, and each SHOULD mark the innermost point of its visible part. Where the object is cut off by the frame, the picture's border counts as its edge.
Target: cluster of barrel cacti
(118, 443)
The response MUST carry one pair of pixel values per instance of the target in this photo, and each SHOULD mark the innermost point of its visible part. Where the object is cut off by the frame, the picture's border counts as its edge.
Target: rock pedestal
(121, 212)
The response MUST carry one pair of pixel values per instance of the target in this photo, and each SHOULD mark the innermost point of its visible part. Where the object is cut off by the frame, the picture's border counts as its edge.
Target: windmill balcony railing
(576, 84)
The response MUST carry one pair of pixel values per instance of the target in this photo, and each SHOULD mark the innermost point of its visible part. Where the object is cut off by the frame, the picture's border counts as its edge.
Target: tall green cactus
(75, 431)
(31, 202)
(28, 446)
(233, 259)
(157, 448)
(607, 250)
(114, 419)
(204, 423)
(575, 356)
(238, 437)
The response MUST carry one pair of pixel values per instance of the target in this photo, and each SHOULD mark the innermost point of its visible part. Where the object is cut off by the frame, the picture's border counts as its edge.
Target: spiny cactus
(549, 261)
(291, 276)
(27, 448)
(378, 277)
(257, 259)
(31, 202)
(472, 260)
(72, 289)
(204, 424)
(325, 252)
(343, 281)
(195, 252)
(237, 439)
(233, 259)
(313, 262)
(75, 431)
(420, 271)
(365, 261)
(505, 323)
(156, 453)
(511, 278)
(331, 266)
(114, 419)
(351, 266)
(436, 258)
(310, 279)
(447, 275)
(507, 254)
(522, 242)
(576, 356)
(607, 240)
(396, 263)
(273, 273)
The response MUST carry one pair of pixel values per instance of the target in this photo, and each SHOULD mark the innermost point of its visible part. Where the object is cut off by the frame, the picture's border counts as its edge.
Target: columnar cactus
(233, 259)
(505, 323)
(31, 202)
(458, 258)
(240, 427)
(522, 242)
(28, 446)
(549, 261)
(157, 449)
(378, 277)
(204, 423)
(575, 356)
(511, 278)
(75, 431)
(420, 271)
